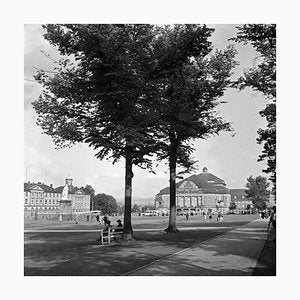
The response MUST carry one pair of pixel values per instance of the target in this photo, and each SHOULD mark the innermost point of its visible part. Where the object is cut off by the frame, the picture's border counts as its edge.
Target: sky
(233, 159)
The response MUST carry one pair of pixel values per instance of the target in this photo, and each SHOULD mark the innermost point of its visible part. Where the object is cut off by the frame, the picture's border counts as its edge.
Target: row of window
(41, 201)
(54, 201)
(81, 204)
(40, 194)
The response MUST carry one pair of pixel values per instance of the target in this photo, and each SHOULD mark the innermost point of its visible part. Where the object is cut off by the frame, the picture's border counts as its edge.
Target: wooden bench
(108, 236)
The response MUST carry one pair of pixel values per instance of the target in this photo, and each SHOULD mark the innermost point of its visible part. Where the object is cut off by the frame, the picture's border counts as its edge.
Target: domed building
(197, 193)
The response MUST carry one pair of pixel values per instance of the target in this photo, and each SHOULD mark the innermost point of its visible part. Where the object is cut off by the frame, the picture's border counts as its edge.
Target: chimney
(205, 170)
(51, 185)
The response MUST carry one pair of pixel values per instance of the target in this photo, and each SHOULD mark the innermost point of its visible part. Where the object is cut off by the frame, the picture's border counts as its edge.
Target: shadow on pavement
(78, 254)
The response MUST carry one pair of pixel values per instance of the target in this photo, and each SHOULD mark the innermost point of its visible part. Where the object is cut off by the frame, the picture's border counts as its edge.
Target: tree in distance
(257, 191)
(106, 204)
(262, 78)
(189, 79)
(232, 205)
(100, 94)
(136, 209)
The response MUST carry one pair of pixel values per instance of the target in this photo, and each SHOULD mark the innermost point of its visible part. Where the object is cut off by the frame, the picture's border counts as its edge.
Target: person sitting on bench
(119, 227)
(105, 230)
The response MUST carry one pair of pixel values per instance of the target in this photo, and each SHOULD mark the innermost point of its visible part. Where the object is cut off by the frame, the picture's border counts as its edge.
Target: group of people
(207, 215)
(108, 226)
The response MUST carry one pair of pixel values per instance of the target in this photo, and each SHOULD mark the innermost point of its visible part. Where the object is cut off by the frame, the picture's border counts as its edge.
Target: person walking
(272, 221)
(187, 216)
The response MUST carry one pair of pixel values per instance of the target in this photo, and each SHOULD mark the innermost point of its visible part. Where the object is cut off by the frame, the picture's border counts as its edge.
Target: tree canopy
(232, 205)
(257, 191)
(100, 94)
(130, 91)
(262, 78)
(189, 79)
(106, 204)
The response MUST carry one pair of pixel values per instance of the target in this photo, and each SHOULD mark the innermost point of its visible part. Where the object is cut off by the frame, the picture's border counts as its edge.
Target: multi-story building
(39, 196)
(239, 197)
(243, 203)
(202, 192)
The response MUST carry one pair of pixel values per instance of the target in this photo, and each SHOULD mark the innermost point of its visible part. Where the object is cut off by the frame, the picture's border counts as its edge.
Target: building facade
(197, 193)
(243, 204)
(41, 197)
(239, 197)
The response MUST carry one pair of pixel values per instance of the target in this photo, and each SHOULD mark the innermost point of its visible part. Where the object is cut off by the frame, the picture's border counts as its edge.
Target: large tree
(99, 94)
(190, 79)
(106, 204)
(257, 191)
(262, 78)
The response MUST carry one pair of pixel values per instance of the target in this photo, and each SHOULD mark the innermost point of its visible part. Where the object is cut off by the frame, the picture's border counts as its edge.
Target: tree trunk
(172, 165)
(127, 231)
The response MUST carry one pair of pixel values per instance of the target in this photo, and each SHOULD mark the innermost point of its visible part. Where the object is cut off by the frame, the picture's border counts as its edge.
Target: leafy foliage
(189, 80)
(257, 191)
(136, 208)
(263, 79)
(99, 99)
(232, 205)
(100, 93)
(106, 204)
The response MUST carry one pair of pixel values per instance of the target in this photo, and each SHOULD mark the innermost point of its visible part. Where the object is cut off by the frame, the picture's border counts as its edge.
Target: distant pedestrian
(205, 216)
(272, 221)
(187, 216)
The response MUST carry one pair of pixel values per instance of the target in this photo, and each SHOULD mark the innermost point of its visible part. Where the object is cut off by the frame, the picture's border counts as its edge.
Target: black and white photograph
(145, 152)
(150, 150)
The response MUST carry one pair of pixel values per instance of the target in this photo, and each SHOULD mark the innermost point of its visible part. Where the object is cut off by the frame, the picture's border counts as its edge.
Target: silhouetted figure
(187, 216)
(272, 221)
(119, 227)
